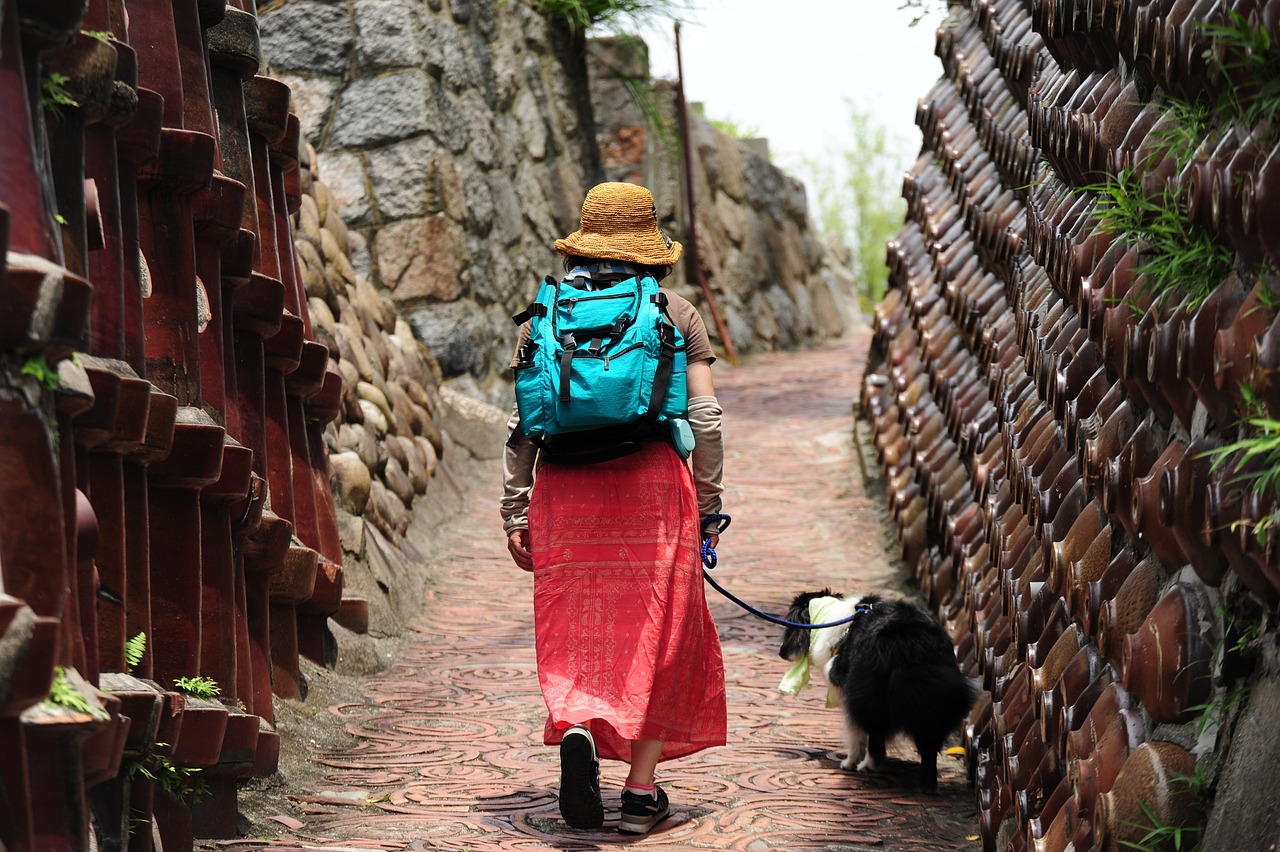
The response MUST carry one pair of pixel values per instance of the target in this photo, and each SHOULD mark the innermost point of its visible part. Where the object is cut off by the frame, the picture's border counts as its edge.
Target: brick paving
(448, 752)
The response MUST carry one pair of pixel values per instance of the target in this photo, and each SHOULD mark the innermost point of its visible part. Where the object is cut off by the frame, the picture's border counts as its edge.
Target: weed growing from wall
(1179, 259)
(581, 14)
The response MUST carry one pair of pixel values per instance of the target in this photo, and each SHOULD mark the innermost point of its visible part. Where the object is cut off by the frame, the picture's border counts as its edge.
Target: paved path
(448, 751)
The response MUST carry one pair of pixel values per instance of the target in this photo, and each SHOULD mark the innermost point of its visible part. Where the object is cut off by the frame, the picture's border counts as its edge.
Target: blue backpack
(603, 370)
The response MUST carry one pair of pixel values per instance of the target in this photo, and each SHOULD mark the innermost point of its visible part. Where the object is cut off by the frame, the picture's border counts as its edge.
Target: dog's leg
(929, 771)
(875, 753)
(855, 741)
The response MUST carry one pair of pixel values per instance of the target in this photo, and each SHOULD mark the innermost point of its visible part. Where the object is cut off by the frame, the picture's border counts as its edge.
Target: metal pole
(691, 243)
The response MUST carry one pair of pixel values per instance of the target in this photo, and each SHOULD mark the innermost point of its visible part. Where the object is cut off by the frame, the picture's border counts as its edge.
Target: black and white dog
(893, 669)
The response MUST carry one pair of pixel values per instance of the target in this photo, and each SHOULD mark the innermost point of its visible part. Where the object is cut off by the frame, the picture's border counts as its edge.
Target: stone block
(348, 186)
(307, 36)
(313, 98)
(392, 33)
(533, 124)
(475, 425)
(415, 258)
(455, 332)
(477, 196)
(388, 108)
(351, 481)
(483, 143)
(448, 57)
(405, 179)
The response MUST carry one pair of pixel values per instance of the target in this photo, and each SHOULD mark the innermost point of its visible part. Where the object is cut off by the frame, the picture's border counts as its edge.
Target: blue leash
(709, 560)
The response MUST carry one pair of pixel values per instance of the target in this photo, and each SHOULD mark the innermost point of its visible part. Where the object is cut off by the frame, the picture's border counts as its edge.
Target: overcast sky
(788, 69)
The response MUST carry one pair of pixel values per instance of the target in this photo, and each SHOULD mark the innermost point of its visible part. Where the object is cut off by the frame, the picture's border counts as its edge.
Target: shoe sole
(634, 825)
(580, 803)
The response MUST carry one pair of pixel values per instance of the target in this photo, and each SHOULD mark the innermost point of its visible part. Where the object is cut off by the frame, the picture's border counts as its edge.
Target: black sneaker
(641, 813)
(580, 780)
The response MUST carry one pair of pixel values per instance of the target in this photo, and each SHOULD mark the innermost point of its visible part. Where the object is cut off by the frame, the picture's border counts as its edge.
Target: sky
(787, 70)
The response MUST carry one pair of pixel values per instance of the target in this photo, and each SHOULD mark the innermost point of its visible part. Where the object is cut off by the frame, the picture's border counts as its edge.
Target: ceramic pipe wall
(1042, 421)
(158, 376)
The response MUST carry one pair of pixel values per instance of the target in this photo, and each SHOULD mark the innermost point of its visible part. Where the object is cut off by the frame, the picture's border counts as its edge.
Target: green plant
(1244, 64)
(1160, 836)
(1263, 478)
(179, 781)
(55, 95)
(133, 650)
(1178, 137)
(581, 14)
(1179, 259)
(199, 687)
(39, 369)
(1198, 784)
(857, 198)
(728, 127)
(1217, 709)
(922, 9)
(100, 35)
(63, 694)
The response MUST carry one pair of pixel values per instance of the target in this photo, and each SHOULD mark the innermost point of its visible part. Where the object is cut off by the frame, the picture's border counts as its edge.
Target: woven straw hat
(620, 222)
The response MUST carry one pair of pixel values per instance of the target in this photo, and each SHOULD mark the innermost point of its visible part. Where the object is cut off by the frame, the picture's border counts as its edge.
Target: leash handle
(718, 524)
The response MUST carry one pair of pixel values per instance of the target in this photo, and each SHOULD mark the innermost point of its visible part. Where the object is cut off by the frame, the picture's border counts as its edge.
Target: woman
(628, 657)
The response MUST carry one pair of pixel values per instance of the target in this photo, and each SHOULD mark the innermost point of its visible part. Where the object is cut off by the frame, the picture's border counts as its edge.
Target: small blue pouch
(681, 436)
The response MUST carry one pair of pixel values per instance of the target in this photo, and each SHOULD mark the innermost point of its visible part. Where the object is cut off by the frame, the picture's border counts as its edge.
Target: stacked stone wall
(457, 147)
(1054, 412)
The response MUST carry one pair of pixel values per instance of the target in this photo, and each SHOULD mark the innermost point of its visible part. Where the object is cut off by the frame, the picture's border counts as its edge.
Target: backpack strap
(662, 374)
(662, 377)
(537, 309)
(566, 365)
(516, 436)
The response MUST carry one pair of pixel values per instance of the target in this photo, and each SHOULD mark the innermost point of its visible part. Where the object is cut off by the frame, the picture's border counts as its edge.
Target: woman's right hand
(518, 545)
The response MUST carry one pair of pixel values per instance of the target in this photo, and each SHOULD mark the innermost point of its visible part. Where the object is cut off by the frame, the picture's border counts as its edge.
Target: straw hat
(620, 222)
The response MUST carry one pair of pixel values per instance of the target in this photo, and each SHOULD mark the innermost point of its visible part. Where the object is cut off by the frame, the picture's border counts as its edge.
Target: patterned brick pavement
(448, 750)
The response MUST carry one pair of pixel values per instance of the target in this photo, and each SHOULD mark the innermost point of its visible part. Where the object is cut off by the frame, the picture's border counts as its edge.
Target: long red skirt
(626, 645)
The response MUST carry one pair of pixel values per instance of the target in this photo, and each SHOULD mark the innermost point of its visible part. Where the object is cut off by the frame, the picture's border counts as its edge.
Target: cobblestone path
(449, 752)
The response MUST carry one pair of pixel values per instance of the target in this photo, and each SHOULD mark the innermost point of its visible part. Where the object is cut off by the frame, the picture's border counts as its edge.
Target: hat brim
(610, 247)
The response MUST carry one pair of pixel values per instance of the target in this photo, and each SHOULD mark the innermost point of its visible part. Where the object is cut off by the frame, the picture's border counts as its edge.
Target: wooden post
(691, 241)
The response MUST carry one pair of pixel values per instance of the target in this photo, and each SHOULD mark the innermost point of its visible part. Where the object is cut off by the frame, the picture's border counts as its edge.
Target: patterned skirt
(626, 645)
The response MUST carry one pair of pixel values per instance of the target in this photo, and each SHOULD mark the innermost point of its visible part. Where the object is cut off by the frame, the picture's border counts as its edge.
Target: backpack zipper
(584, 353)
(572, 301)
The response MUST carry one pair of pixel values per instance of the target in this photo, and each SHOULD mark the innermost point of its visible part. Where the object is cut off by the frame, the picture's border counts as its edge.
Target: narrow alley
(446, 746)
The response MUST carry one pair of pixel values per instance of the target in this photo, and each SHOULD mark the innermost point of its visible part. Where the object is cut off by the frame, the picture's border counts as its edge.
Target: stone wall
(777, 281)
(386, 443)
(457, 144)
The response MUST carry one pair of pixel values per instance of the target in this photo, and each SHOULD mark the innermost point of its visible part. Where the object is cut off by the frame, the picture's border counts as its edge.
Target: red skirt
(626, 645)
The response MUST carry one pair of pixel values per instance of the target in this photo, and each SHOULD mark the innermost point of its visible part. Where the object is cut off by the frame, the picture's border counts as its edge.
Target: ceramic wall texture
(162, 408)
(1043, 410)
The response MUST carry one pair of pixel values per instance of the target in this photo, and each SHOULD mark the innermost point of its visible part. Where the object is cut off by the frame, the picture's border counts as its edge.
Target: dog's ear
(799, 609)
(795, 640)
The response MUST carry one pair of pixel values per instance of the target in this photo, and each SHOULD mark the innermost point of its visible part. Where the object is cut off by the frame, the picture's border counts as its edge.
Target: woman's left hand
(518, 546)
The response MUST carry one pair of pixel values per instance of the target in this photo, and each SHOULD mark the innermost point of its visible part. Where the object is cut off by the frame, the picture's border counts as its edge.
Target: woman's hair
(658, 272)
